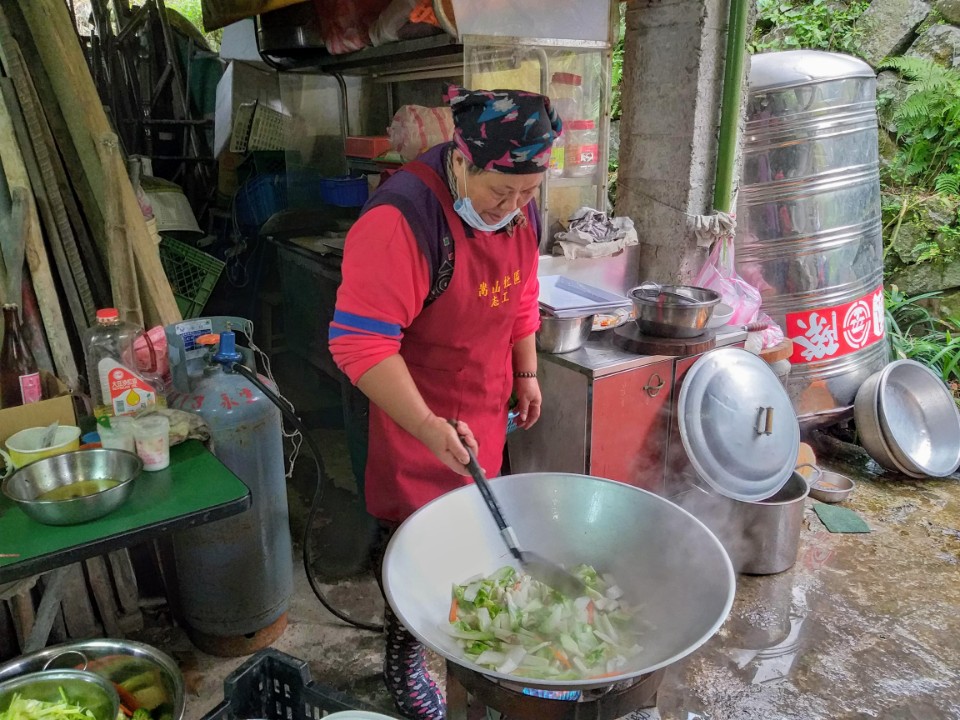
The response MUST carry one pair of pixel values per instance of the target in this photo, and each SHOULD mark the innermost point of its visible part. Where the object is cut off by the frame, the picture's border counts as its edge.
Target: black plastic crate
(275, 686)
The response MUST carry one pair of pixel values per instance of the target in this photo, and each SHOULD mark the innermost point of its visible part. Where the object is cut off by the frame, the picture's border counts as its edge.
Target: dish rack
(275, 686)
(258, 127)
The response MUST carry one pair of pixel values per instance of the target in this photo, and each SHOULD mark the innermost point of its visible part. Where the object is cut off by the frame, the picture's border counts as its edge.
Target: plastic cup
(119, 436)
(152, 434)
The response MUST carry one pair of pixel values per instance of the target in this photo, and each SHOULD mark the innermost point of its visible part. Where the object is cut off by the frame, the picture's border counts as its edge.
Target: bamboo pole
(37, 261)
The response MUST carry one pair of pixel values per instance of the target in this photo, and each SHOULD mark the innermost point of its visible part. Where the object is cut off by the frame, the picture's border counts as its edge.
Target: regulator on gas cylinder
(236, 575)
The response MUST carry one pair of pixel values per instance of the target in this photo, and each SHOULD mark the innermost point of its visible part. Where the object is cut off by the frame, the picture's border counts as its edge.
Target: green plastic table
(197, 488)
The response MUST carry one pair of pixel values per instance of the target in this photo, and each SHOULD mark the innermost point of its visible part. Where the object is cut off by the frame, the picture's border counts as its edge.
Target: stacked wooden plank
(72, 239)
(66, 203)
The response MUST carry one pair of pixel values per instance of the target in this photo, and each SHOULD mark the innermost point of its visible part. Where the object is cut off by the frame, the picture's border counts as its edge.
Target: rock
(938, 210)
(949, 10)
(910, 238)
(939, 43)
(887, 27)
(926, 277)
(948, 305)
(888, 148)
(891, 92)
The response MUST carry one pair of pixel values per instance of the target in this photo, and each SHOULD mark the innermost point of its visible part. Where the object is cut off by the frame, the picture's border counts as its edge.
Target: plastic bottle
(557, 152)
(583, 149)
(19, 375)
(566, 95)
(117, 386)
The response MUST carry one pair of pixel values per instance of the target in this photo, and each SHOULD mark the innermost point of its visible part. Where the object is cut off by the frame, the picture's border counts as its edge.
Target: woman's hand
(529, 399)
(444, 442)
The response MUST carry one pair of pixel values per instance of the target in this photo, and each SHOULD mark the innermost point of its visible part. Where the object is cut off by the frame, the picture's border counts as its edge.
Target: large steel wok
(662, 557)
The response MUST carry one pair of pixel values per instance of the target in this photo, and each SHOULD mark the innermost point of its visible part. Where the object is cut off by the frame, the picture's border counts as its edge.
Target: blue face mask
(464, 208)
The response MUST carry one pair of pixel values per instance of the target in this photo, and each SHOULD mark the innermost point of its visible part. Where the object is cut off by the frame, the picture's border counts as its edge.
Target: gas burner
(604, 703)
(629, 338)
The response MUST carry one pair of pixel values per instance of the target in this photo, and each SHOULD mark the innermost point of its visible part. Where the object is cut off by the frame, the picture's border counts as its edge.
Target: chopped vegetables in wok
(22, 708)
(515, 625)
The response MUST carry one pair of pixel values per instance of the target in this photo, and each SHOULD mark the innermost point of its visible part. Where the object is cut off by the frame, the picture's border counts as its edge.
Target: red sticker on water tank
(838, 330)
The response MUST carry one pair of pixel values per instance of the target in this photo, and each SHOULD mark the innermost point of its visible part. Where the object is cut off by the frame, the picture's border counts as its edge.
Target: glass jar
(582, 152)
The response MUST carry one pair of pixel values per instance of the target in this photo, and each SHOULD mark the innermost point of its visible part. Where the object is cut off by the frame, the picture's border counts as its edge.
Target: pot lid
(737, 424)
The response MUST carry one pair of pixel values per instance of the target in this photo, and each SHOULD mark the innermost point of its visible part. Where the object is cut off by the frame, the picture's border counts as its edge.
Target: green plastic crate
(192, 274)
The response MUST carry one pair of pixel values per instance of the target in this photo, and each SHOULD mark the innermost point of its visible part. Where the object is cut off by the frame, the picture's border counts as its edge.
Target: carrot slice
(562, 657)
(590, 612)
(454, 606)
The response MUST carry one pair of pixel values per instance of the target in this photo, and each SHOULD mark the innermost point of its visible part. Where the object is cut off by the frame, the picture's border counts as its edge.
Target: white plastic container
(582, 154)
(119, 436)
(566, 95)
(152, 434)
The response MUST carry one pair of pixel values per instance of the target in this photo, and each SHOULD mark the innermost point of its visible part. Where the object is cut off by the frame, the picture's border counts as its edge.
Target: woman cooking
(435, 321)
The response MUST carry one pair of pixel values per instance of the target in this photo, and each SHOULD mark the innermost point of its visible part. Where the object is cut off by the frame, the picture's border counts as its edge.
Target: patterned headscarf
(508, 131)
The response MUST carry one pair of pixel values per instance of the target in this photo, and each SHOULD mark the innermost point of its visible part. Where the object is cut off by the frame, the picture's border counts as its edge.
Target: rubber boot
(405, 673)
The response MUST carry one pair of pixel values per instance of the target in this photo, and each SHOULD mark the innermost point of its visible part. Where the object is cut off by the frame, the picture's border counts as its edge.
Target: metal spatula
(549, 573)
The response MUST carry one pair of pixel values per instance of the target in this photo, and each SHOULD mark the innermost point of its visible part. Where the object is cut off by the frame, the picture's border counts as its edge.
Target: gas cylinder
(236, 575)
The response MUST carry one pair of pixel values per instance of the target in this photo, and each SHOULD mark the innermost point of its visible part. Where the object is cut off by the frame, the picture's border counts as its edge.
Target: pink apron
(459, 352)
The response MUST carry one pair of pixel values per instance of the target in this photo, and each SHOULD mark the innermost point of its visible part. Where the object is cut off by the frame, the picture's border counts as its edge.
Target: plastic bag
(415, 129)
(719, 274)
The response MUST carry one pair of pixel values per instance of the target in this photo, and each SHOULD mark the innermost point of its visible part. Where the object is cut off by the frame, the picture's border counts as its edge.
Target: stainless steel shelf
(403, 56)
(561, 182)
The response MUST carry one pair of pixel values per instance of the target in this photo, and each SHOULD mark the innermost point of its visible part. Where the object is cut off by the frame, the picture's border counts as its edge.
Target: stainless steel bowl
(562, 335)
(866, 414)
(662, 315)
(152, 677)
(831, 487)
(30, 487)
(919, 418)
(85, 689)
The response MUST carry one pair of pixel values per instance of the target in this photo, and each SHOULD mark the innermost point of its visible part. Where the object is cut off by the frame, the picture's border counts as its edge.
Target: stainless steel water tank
(808, 221)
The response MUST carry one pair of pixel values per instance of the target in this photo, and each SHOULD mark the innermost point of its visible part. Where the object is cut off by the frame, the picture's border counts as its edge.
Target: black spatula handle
(476, 472)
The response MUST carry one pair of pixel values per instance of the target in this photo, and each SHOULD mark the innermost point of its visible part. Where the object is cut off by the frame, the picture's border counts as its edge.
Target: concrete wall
(673, 75)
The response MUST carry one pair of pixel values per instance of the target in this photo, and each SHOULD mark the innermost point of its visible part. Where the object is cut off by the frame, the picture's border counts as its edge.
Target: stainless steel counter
(599, 357)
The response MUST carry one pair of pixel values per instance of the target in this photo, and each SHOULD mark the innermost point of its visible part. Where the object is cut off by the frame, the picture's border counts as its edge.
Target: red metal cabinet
(630, 420)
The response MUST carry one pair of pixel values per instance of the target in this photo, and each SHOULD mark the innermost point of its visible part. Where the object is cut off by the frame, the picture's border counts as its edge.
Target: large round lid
(737, 424)
(790, 68)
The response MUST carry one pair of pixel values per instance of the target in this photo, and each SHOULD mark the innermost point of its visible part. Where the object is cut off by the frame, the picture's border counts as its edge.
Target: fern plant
(928, 125)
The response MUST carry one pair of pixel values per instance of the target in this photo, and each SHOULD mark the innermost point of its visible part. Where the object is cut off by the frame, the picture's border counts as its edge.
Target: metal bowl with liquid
(75, 487)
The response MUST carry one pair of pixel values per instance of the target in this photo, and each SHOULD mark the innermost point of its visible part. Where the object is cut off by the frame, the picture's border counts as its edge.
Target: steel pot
(563, 335)
(763, 536)
(662, 314)
(661, 556)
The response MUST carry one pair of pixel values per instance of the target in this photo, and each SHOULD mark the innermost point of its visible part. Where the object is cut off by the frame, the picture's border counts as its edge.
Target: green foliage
(192, 10)
(816, 25)
(917, 334)
(928, 125)
(616, 74)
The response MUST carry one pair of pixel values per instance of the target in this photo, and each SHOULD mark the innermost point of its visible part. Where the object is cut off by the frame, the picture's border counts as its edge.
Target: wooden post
(59, 50)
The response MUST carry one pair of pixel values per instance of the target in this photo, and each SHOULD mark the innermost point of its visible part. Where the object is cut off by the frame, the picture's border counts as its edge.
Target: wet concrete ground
(863, 626)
